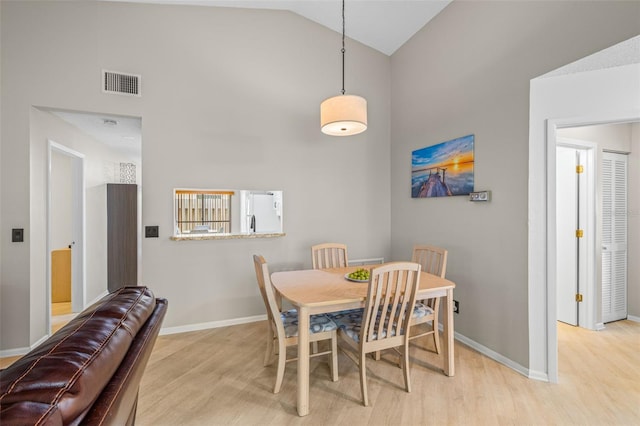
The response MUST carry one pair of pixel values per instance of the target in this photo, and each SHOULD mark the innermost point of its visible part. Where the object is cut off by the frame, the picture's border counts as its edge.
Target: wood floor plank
(216, 377)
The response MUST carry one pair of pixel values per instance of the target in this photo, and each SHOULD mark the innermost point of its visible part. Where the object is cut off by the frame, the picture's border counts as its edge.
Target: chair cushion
(317, 323)
(421, 310)
(350, 322)
(355, 314)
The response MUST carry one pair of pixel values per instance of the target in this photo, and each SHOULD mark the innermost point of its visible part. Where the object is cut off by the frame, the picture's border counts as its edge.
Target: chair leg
(269, 353)
(376, 355)
(314, 347)
(363, 379)
(405, 367)
(334, 358)
(436, 336)
(436, 330)
(282, 359)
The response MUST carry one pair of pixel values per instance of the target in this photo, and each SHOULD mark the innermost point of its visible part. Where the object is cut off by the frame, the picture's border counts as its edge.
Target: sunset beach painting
(443, 170)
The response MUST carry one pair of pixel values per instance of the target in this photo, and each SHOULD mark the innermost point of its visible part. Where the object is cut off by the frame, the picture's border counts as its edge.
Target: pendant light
(343, 115)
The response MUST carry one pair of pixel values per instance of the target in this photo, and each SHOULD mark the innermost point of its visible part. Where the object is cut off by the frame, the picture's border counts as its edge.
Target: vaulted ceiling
(384, 25)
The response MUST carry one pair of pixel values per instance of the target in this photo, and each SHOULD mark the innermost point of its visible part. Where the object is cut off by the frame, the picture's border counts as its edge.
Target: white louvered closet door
(614, 237)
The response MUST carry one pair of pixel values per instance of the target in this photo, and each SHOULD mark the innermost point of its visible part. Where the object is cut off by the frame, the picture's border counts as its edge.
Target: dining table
(318, 291)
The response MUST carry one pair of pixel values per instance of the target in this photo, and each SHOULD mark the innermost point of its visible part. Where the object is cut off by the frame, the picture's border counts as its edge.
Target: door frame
(587, 312)
(550, 255)
(78, 255)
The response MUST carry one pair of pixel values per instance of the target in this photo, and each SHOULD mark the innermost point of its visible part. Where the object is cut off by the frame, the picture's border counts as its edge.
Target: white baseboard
(541, 376)
(13, 352)
(211, 324)
(499, 358)
(21, 351)
(103, 294)
(599, 326)
(39, 342)
(633, 318)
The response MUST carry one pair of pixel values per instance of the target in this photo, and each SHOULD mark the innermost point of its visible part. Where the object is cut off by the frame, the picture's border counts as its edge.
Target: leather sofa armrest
(117, 403)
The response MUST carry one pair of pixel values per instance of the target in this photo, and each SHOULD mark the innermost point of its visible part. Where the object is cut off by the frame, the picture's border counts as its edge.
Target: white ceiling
(118, 132)
(384, 25)
(624, 53)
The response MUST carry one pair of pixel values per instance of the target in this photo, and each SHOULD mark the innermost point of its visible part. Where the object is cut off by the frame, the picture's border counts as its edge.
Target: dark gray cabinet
(122, 235)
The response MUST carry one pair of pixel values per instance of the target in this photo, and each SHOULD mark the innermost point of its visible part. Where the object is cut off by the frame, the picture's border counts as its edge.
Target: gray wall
(468, 71)
(231, 99)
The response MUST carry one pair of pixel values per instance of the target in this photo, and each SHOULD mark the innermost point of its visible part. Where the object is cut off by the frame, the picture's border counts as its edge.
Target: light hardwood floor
(61, 314)
(61, 308)
(216, 377)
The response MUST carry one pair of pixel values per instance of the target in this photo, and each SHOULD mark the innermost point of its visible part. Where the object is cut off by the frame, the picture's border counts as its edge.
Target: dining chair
(434, 261)
(283, 327)
(329, 255)
(385, 321)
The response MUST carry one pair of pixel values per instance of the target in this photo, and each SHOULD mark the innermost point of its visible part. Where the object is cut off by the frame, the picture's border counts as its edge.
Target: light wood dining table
(317, 291)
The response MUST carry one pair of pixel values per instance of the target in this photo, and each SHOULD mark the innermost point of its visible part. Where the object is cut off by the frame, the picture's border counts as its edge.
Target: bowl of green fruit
(359, 276)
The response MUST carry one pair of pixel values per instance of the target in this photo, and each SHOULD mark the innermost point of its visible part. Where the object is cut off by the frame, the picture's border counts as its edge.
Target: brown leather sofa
(89, 371)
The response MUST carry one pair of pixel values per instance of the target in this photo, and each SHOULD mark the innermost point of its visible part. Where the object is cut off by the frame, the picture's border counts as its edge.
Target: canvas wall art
(443, 170)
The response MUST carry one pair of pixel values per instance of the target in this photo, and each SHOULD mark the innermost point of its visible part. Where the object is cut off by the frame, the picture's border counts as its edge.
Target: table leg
(449, 368)
(303, 361)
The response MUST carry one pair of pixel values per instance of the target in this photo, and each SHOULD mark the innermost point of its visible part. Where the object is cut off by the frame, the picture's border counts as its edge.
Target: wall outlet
(151, 231)
(456, 307)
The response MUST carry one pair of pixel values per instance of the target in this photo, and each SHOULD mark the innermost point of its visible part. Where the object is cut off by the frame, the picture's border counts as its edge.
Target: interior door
(566, 218)
(571, 250)
(614, 237)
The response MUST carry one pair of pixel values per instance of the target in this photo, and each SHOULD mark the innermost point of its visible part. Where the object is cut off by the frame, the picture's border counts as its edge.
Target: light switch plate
(17, 235)
(151, 231)
(480, 196)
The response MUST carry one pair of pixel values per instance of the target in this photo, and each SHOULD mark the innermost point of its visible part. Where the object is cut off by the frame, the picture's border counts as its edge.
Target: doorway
(65, 234)
(603, 150)
(594, 138)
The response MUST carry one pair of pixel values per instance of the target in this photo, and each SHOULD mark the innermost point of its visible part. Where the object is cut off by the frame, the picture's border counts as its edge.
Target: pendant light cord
(343, 49)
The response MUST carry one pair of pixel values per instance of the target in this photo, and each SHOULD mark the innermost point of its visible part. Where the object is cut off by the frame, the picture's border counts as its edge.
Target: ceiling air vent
(120, 83)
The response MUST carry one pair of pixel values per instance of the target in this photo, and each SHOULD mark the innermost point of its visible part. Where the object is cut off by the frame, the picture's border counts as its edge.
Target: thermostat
(480, 196)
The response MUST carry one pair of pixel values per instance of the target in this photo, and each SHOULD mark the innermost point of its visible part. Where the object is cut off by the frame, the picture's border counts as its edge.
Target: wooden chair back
(329, 255)
(432, 259)
(390, 300)
(277, 339)
(268, 295)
